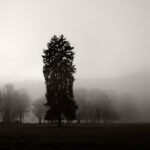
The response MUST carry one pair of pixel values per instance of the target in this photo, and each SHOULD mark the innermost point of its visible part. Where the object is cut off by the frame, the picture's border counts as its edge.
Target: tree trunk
(40, 120)
(59, 120)
(78, 121)
(21, 119)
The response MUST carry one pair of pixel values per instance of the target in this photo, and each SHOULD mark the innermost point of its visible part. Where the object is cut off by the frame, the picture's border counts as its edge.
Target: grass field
(108, 136)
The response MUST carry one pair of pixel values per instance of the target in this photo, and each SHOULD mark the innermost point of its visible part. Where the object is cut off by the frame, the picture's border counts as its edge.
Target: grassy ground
(109, 136)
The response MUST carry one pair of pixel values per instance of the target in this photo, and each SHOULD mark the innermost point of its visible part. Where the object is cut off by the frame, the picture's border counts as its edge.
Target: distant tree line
(94, 106)
(13, 104)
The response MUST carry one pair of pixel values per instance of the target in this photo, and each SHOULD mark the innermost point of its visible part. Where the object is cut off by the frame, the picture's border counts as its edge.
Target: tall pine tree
(58, 71)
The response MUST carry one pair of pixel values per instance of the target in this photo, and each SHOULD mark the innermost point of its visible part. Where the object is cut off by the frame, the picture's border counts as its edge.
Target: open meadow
(89, 136)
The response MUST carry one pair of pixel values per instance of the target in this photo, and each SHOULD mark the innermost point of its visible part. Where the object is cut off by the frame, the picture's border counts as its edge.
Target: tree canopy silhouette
(58, 71)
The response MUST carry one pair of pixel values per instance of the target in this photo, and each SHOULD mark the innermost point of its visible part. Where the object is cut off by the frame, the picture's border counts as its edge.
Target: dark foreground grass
(108, 136)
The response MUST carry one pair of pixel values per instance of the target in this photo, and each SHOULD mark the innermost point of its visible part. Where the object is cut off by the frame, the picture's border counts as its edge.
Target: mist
(132, 87)
(74, 74)
(111, 38)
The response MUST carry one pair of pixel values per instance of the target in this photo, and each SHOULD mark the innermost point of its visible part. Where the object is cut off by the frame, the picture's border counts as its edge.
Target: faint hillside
(35, 89)
(137, 84)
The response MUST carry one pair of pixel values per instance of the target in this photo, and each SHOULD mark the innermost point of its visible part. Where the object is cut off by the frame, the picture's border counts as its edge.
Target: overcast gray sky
(111, 37)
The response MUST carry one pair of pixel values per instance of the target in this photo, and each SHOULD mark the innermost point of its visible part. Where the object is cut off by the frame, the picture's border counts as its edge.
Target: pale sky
(111, 37)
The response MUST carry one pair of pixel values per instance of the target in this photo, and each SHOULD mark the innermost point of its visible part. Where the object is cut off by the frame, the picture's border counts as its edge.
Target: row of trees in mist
(94, 106)
(13, 104)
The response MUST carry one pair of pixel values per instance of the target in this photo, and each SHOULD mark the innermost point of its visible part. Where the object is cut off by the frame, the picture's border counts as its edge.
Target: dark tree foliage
(58, 71)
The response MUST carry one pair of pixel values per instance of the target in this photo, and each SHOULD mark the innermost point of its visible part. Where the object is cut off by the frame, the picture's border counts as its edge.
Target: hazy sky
(111, 37)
